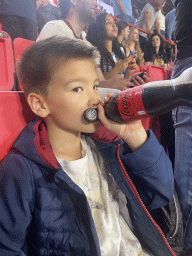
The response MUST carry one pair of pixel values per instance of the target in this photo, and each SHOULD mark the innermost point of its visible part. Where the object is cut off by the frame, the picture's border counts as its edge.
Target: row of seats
(10, 53)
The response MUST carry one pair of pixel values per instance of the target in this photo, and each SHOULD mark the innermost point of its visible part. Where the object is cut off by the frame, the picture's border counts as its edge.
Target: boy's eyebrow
(80, 80)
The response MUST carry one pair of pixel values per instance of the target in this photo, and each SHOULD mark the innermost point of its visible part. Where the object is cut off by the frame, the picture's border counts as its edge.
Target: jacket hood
(33, 142)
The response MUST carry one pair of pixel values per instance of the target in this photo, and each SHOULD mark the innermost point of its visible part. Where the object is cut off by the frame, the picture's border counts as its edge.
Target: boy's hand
(121, 65)
(132, 133)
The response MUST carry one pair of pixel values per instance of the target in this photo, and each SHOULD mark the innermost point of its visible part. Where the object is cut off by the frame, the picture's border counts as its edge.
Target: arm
(145, 160)
(16, 204)
(157, 26)
(120, 6)
(151, 171)
(147, 18)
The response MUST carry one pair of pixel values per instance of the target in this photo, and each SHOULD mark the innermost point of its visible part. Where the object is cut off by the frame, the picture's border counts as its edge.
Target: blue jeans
(182, 117)
(126, 18)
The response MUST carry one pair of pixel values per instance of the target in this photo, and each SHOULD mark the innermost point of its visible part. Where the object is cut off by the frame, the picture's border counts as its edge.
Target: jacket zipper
(134, 190)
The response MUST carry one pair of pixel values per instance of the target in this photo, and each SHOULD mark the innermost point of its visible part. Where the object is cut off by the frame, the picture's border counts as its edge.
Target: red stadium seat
(15, 113)
(7, 68)
(19, 46)
(155, 73)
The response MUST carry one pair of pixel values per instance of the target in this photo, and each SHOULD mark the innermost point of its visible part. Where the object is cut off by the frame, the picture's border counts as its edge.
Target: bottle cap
(91, 115)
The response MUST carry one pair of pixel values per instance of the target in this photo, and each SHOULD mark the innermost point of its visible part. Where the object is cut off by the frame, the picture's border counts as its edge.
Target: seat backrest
(15, 113)
(156, 73)
(7, 68)
(19, 46)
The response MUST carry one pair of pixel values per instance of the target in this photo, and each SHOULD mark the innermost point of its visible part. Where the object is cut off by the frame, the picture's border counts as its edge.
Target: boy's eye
(95, 86)
(77, 89)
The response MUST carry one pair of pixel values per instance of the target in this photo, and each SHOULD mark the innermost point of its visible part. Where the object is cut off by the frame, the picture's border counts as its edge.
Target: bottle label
(130, 104)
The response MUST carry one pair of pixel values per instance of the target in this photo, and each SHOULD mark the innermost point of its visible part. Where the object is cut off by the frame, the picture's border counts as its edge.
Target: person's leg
(126, 18)
(11, 25)
(182, 117)
(29, 29)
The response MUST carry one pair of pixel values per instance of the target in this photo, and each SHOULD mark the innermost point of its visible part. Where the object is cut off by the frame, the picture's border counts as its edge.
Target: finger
(139, 80)
(146, 78)
(129, 84)
(136, 82)
(106, 99)
(103, 118)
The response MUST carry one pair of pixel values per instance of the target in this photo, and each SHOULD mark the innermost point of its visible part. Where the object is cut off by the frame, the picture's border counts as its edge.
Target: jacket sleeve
(16, 204)
(151, 172)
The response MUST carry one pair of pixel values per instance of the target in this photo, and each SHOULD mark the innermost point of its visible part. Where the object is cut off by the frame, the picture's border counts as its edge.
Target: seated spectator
(101, 34)
(132, 45)
(123, 32)
(45, 12)
(155, 53)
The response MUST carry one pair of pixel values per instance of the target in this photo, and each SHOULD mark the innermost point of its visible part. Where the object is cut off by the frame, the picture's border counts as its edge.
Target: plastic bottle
(151, 99)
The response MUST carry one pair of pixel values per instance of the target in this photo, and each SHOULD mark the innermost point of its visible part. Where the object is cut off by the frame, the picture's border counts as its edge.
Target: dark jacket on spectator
(21, 8)
(150, 55)
(183, 28)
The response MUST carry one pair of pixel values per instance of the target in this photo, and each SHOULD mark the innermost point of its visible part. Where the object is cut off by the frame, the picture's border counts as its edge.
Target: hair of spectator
(140, 60)
(64, 7)
(96, 35)
(149, 42)
(39, 62)
(121, 25)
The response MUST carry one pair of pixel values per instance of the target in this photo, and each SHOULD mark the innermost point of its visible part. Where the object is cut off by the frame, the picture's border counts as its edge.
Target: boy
(65, 193)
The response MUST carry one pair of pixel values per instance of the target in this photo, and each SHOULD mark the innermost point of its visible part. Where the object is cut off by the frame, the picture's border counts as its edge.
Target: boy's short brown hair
(40, 61)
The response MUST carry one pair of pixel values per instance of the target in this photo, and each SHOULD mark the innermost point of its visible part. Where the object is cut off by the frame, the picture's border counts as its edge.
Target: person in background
(170, 22)
(154, 52)
(123, 33)
(132, 45)
(182, 117)
(169, 33)
(123, 10)
(75, 16)
(159, 25)
(146, 21)
(45, 12)
(19, 18)
(102, 34)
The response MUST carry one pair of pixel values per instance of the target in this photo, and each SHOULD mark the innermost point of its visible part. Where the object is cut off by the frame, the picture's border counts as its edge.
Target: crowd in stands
(125, 48)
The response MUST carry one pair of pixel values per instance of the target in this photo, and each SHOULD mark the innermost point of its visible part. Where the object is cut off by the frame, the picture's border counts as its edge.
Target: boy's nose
(94, 99)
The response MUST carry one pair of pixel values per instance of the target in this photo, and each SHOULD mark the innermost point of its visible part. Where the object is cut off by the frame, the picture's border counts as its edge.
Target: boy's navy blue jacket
(40, 204)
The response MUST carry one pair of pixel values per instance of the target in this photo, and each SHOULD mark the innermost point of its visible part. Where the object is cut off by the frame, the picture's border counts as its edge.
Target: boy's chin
(94, 127)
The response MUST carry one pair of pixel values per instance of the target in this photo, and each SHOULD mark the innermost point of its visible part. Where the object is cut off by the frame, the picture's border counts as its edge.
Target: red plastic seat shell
(15, 114)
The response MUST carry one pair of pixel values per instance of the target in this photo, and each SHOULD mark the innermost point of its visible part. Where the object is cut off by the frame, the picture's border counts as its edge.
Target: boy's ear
(38, 104)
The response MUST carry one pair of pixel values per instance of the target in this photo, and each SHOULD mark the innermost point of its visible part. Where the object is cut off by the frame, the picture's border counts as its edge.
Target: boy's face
(72, 90)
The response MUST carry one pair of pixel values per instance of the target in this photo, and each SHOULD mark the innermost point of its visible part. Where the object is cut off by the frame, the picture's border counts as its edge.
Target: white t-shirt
(161, 19)
(106, 201)
(56, 28)
(141, 21)
(60, 28)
